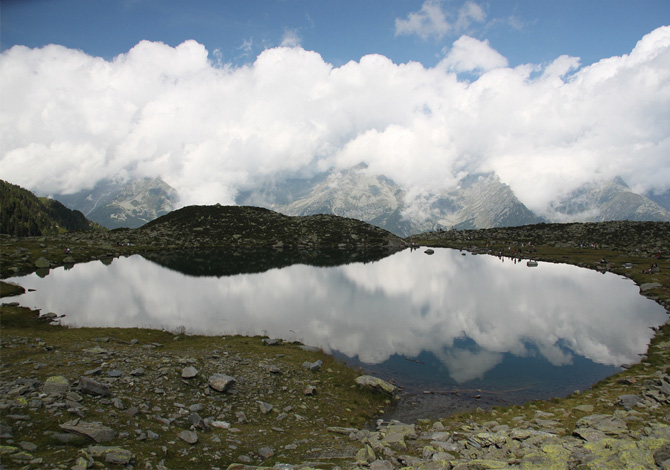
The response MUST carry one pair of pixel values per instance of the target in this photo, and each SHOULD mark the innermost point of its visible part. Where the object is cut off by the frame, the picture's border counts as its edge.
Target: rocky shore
(131, 398)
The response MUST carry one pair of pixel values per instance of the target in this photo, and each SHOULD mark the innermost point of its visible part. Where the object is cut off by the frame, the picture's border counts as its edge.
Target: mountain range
(480, 201)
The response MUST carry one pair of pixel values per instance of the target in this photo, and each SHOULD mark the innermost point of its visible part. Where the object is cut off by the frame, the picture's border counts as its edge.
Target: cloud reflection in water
(401, 305)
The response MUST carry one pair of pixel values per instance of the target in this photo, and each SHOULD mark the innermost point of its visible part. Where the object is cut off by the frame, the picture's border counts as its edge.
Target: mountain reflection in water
(441, 321)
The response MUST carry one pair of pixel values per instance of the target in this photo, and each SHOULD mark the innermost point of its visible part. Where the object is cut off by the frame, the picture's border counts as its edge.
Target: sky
(217, 97)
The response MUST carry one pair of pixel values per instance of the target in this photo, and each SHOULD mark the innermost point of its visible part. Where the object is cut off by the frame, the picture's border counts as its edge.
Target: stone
(189, 437)
(266, 452)
(42, 262)
(112, 455)
(56, 385)
(137, 372)
(93, 387)
(649, 286)
(189, 372)
(114, 373)
(221, 382)
(376, 384)
(309, 390)
(313, 366)
(628, 401)
(264, 407)
(96, 431)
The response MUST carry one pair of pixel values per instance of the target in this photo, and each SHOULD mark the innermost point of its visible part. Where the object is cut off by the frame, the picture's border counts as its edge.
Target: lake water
(450, 323)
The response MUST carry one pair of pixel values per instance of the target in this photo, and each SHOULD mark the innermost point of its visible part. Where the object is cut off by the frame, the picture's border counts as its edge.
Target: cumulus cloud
(469, 54)
(211, 130)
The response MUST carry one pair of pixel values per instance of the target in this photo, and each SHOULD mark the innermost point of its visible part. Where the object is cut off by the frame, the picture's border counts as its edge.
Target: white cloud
(469, 54)
(432, 20)
(210, 129)
(291, 38)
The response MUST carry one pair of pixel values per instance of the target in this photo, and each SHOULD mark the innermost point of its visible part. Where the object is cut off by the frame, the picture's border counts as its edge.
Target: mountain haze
(479, 201)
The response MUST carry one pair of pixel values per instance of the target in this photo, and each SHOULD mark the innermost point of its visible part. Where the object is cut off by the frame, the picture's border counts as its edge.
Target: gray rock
(189, 372)
(93, 387)
(264, 407)
(137, 372)
(375, 383)
(649, 286)
(96, 431)
(266, 452)
(189, 437)
(114, 373)
(221, 382)
(313, 366)
(628, 401)
(56, 385)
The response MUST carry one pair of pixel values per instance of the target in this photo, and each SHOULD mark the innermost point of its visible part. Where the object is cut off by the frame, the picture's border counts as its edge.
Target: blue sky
(524, 31)
(220, 97)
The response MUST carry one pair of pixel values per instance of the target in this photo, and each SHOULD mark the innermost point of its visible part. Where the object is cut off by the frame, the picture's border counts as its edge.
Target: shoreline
(595, 425)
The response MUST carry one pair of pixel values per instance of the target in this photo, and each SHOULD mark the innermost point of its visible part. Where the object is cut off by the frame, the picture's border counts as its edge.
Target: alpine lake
(452, 329)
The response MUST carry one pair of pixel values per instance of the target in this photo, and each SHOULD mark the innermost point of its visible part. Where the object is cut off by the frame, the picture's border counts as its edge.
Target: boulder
(112, 455)
(56, 385)
(189, 437)
(221, 382)
(93, 387)
(376, 384)
(42, 262)
(189, 372)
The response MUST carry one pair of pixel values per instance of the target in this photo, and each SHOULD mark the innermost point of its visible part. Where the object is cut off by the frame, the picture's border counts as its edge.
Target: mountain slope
(612, 200)
(24, 214)
(130, 204)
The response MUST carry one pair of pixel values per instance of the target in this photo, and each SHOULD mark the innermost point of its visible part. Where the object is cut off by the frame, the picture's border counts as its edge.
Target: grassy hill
(24, 214)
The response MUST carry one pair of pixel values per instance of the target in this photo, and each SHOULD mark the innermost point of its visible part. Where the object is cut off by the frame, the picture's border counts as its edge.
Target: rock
(628, 401)
(189, 437)
(264, 407)
(112, 455)
(375, 383)
(114, 373)
(189, 372)
(272, 342)
(56, 385)
(313, 366)
(137, 372)
(649, 286)
(381, 465)
(42, 262)
(221, 382)
(309, 390)
(96, 431)
(93, 387)
(266, 452)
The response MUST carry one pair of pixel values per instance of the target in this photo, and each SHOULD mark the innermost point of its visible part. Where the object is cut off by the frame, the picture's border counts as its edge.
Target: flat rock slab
(96, 431)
